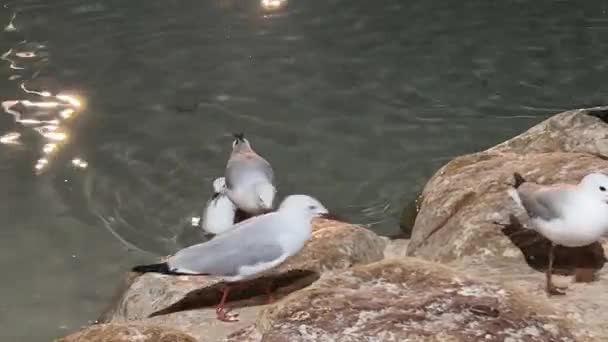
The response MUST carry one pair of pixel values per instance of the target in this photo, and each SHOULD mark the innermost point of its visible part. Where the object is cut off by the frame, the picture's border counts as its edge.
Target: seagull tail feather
(519, 180)
(162, 267)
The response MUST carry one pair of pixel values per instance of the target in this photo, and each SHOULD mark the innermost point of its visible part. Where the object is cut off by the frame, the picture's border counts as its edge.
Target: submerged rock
(406, 300)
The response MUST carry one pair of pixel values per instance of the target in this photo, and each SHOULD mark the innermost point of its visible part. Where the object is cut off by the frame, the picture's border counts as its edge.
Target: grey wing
(247, 170)
(542, 203)
(225, 254)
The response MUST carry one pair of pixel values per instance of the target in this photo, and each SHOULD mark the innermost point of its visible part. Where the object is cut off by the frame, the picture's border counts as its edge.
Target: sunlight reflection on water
(43, 112)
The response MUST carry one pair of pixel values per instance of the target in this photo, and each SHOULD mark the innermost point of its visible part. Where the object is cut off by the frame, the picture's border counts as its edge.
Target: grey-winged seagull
(567, 215)
(251, 248)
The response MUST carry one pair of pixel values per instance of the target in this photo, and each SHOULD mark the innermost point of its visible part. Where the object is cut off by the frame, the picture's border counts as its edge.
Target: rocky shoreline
(461, 277)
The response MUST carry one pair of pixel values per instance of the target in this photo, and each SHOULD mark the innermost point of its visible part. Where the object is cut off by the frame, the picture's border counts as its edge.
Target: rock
(188, 303)
(465, 197)
(337, 245)
(396, 248)
(127, 333)
(582, 303)
(575, 131)
(406, 300)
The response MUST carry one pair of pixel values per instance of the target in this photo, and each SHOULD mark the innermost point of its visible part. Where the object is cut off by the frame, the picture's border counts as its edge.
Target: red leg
(221, 314)
(269, 290)
(269, 296)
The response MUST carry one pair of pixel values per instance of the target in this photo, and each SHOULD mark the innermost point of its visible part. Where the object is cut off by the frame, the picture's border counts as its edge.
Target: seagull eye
(312, 207)
(602, 188)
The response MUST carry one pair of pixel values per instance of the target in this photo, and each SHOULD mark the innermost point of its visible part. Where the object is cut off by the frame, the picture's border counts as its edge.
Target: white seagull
(249, 178)
(251, 248)
(567, 215)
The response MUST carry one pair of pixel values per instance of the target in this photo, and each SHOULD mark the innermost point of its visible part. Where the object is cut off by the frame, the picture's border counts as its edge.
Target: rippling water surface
(117, 115)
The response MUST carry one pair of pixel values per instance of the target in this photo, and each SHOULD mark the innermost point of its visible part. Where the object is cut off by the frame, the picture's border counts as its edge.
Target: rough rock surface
(583, 304)
(187, 302)
(406, 300)
(127, 333)
(465, 197)
(396, 248)
(335, 245)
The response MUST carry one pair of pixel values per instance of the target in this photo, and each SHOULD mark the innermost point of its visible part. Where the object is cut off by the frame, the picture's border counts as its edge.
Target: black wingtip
(239, 136)
(156, 268)
(519, 180)
(240, 216)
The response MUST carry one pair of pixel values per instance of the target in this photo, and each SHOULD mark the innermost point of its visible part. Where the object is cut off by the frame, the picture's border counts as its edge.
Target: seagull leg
(269, 296)
(221, 314)
(550, 287)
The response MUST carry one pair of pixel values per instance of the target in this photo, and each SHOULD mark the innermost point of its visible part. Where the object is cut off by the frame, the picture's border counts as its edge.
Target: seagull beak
(239, 136)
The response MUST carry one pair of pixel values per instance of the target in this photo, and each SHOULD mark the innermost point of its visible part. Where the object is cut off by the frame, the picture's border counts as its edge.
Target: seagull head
(596, 185)
(240, 144)
(304, 204)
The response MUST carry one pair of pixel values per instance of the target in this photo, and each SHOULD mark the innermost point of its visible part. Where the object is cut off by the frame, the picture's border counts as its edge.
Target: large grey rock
(463, 199)
(127, 333)
(406, 300)
(188, 303)
(583, 303)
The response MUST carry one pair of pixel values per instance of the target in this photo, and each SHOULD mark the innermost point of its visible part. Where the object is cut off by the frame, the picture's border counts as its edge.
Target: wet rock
(464, 199)
(188, 303)
(406, 300)
(127, 333)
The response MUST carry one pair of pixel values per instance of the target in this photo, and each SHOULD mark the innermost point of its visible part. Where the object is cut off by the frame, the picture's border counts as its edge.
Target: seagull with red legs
(248, 250)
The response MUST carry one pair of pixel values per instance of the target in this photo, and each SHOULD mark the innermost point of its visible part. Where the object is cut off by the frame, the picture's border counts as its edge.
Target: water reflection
(11, 138)
(42, 111)
(273, 5)
(77, 162)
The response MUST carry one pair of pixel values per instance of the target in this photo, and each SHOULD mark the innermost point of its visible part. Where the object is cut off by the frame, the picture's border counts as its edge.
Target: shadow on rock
(567, 260)
(599, 112)
(407, 218)
(254, 293)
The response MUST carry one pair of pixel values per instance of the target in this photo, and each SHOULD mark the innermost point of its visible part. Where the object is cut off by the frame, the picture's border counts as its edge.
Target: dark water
(355, 102)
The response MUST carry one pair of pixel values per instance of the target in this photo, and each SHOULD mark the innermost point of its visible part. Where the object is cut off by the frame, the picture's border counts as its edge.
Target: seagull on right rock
(565, 214)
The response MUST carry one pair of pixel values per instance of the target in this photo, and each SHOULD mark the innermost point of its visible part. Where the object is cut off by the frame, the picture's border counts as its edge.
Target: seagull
(219, 214)
(249, 249)
(249, 178)
(567, 215)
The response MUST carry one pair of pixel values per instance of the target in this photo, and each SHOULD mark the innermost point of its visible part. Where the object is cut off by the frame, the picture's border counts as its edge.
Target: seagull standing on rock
(249, 249)
(567, 215)
(249, 179)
